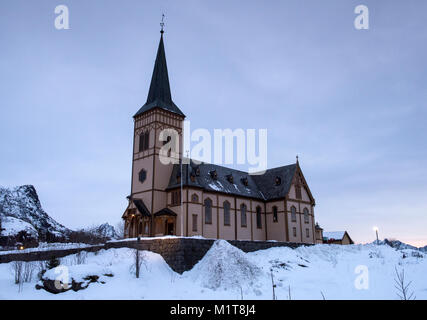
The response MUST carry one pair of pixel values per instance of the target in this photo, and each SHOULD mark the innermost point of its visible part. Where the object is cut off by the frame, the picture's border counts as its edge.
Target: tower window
(144, 139)
(278, 181)
(142, 176)
(176, 197)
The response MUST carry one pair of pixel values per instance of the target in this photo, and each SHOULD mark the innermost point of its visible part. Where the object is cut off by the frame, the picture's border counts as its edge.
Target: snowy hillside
(104, 230)
(20, 208)
(329, 271)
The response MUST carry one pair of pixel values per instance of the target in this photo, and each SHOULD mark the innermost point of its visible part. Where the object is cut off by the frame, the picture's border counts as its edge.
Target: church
(202, 199)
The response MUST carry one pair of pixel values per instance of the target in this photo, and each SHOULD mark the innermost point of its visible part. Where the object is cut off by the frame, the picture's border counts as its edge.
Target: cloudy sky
(351, 103)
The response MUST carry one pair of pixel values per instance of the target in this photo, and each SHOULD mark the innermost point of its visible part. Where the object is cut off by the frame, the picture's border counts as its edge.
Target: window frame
(306, 216)
(243, 213)
(206, 206)
(275, 214)
(293, 214)
(227, 210)
(258, 217)
(194, 223)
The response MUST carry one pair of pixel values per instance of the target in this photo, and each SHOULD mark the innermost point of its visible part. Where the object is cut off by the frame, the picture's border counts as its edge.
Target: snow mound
(224, 266)
(78, 273)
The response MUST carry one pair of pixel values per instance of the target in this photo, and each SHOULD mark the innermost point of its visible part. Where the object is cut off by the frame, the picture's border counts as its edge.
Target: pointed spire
(159, 94)
(159, 87)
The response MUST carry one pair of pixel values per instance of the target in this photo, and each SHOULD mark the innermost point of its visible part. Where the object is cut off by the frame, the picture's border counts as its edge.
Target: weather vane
(162, 24)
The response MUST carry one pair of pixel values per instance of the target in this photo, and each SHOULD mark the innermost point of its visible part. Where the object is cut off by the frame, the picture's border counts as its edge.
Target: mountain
(21, 210)
(399, 245)
(104, 230)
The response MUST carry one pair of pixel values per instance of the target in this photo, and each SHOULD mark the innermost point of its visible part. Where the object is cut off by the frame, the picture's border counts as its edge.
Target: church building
(205, 199)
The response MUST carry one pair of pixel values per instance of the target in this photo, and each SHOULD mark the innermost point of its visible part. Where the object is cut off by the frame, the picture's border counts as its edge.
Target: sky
(351, 103)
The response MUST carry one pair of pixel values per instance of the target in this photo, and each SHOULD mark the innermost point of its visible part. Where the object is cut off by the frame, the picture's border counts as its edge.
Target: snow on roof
(336, 235)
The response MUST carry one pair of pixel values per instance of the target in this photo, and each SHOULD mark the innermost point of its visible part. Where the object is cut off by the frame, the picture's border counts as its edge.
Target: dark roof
(159, 95)
(139, 204)
(165, 212)
(261, 187)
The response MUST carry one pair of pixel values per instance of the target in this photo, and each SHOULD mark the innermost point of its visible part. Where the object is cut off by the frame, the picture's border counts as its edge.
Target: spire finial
(162, 24)
(297, 159)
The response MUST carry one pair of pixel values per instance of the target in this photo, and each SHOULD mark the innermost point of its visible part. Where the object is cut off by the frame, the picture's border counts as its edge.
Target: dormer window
(192, 177)
(178, 178)
(278, 181)
(245, 181)
(213, 174)
(230, 178)
(197, 171)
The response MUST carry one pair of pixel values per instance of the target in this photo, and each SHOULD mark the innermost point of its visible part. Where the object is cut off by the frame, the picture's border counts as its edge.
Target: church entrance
(169, 228)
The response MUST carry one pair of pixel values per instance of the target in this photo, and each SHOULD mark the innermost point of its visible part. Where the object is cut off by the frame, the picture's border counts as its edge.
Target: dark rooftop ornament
(245, 181)
(162, 24)
(230, 178)
(213, 174)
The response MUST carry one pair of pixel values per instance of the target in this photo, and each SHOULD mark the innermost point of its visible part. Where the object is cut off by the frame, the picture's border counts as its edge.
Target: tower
(145, 215)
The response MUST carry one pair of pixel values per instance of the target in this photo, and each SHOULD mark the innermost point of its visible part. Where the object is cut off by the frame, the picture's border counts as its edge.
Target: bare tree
(120, 229)
(28, 271)
(17, 269)
(403, 287)
(80, 257)
(289, 292)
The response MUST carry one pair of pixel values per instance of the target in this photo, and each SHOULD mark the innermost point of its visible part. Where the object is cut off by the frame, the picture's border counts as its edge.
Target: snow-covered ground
(228, 273)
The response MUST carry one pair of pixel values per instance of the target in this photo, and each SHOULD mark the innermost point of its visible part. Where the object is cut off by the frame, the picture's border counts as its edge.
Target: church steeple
(159, 94)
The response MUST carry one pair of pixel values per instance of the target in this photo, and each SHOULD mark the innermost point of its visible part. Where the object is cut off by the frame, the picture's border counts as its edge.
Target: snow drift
(224, 266)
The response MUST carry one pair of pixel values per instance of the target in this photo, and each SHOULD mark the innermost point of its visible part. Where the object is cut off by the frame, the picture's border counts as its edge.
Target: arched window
(293, 214)
(243, 215)
(147, 140)
(140, 228)
(226, 213)
(208, 211)
(194, 198)
(306, 216)
(275, 218)
(144, 139)
(258, 218)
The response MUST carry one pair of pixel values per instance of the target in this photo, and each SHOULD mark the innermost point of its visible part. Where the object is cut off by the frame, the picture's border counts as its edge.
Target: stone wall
(181, 254)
